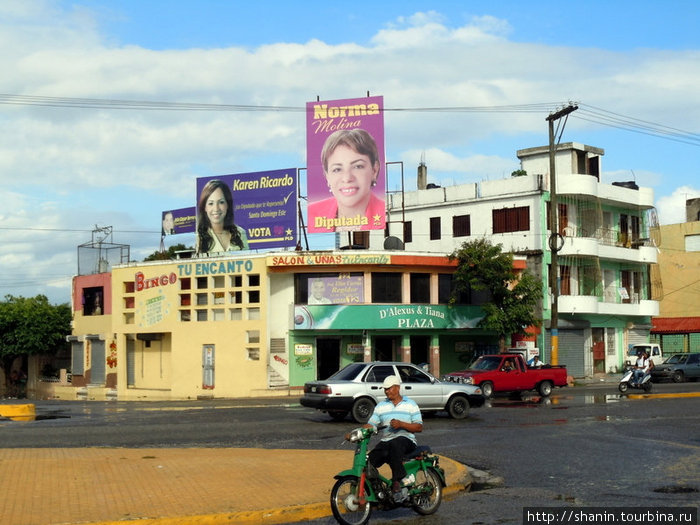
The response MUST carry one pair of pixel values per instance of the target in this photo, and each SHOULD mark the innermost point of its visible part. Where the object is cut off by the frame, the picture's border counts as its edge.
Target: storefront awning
(675, 325)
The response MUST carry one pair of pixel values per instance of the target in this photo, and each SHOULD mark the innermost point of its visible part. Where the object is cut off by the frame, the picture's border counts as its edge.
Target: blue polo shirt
(407, 411)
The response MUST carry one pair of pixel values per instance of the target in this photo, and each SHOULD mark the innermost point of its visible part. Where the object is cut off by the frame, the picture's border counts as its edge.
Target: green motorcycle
(362, 488)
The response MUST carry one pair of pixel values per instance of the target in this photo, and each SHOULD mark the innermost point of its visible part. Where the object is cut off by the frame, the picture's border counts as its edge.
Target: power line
(587, 112)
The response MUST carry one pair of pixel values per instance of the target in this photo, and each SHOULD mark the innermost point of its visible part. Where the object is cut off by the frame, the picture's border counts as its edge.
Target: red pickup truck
(509, 373)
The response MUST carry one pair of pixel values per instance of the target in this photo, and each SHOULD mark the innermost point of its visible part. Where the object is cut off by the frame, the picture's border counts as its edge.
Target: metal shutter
(97, 372)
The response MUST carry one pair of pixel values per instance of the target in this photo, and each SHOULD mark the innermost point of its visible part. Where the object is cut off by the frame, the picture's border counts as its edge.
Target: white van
(652, 349)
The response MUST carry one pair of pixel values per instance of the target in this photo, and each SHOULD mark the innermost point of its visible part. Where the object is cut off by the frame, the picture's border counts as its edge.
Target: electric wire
(588, 113)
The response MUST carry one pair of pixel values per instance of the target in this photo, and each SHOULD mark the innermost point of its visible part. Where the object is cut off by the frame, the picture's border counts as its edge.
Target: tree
(514, 296)
(168, 254)
(31, 326)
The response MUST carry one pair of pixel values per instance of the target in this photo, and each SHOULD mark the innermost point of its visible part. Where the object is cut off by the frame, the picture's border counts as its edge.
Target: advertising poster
(346, 177)
(182, 220)
(344, 289)
(246, 211)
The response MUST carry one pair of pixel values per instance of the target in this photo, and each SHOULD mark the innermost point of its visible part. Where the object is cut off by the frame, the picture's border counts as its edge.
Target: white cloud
(122, 167)
(671, 207)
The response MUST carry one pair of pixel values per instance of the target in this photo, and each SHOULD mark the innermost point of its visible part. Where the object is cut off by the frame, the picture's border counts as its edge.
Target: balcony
(590, 304)
(608, 244)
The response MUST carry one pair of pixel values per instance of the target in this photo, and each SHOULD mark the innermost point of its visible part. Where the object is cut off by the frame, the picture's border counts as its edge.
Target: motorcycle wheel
(345, 505)
(427, 502)
(647, 386)
(623, 387)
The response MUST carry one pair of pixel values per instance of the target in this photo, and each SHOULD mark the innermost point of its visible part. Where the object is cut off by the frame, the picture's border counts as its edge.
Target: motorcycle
(362, 488)
(626, 381)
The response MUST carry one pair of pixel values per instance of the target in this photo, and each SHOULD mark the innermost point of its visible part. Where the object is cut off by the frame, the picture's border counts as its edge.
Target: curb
(25, 412)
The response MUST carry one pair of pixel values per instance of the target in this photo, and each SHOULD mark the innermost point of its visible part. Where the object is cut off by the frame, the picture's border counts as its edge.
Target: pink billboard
(346, 177)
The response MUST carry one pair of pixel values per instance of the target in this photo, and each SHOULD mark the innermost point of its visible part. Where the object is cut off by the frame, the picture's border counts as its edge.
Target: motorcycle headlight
(356, 435)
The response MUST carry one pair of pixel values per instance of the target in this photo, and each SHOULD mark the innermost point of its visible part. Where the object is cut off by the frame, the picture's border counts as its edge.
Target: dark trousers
(392, 452)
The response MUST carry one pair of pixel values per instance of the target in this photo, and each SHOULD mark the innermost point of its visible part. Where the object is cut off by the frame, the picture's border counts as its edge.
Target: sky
(216, 87)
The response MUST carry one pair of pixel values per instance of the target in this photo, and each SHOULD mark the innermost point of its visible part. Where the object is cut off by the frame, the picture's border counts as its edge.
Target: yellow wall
(230, 294)
(680, 271)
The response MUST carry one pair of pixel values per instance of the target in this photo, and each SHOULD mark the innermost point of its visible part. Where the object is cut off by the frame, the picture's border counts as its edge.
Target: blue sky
(66, 169)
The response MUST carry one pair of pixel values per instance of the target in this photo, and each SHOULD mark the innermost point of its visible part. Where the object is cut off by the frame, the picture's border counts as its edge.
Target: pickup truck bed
(509, 373)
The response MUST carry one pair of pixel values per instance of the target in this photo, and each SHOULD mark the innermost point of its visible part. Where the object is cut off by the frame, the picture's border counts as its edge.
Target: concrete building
(246, 325)
(677, 328)
(609, 280)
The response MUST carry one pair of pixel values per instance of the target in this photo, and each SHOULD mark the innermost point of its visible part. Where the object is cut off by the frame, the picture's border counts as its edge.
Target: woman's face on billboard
(350, 177)
(216, 207)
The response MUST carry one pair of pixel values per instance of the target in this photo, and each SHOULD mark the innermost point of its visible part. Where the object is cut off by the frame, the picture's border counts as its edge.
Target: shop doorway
(384, 348)
(598, 350)
(420, 346)
(327, 357)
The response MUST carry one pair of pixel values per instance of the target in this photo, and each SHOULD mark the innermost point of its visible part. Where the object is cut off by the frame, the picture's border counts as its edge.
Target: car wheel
(458, 407)
(678, 376)
(362, 409)
(545, 388)
(487, 388)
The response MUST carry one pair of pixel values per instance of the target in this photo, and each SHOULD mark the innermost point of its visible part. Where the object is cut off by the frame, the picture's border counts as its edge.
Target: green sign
(375, 316)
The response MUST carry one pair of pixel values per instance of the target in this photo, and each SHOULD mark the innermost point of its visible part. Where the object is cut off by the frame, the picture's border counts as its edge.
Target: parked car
(509, 373)
(357, 388)
(677, 368)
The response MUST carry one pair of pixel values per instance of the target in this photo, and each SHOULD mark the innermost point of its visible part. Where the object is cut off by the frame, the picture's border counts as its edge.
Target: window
(446, 286)
(435, 232)
(407, 231)
(386, 287)
(511, 220)
(254, 280)
(360, 238)
(93, 301)
(378, 373)
(461, 226)
(420, 288)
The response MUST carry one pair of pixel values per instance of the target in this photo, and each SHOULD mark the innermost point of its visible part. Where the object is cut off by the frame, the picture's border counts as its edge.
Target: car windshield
(348, 373)
(674, 359)
(486, 363)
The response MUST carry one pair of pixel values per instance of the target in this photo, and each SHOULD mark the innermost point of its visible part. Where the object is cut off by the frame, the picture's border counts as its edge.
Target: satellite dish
(393, 243)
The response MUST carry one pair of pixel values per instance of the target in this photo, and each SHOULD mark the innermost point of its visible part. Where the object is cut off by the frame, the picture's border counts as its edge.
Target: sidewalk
(163, 486)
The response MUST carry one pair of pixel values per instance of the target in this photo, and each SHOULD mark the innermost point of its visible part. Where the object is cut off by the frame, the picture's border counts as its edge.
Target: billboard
(177, 221)
(346, 177)
(246, 211)
(341, 289)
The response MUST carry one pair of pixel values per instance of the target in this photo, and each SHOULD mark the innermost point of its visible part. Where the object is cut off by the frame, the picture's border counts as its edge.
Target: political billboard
(246, 211)
(346, 177)
(181, 220)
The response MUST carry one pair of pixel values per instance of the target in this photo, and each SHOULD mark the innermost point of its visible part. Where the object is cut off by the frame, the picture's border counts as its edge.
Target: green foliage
(518, 173)
(32, 326)
(168, 254)
(514, 297)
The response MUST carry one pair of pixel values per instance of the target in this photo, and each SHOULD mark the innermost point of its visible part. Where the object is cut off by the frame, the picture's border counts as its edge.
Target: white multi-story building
(608, 277)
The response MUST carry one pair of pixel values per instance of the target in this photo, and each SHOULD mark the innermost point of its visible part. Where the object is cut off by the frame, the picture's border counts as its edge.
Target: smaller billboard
(343, 289)
(182, 220)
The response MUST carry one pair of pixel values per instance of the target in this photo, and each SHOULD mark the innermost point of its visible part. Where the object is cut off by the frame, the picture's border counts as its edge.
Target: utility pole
(555, 236)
